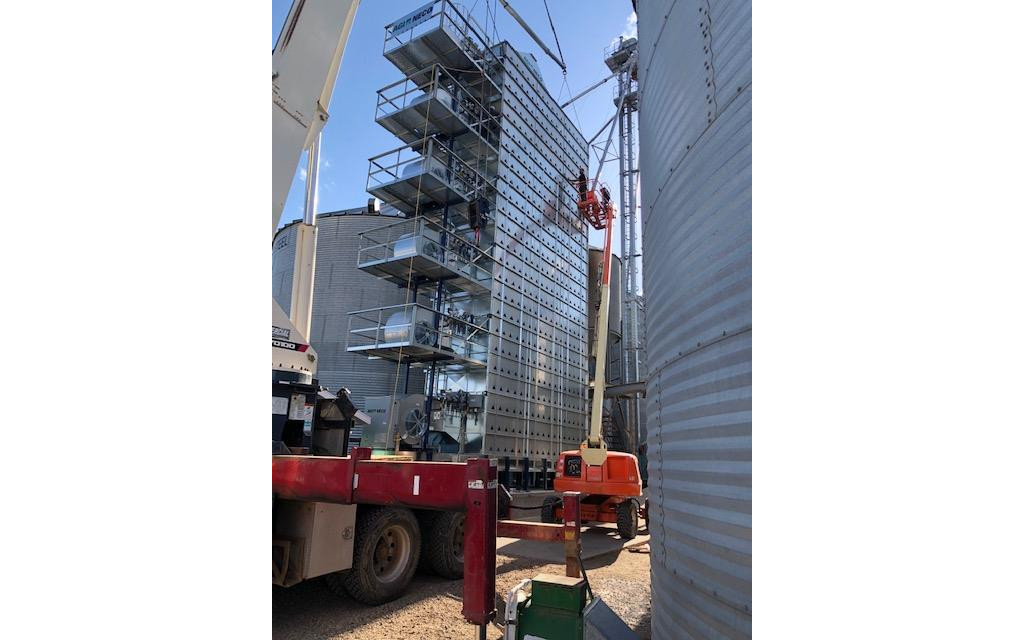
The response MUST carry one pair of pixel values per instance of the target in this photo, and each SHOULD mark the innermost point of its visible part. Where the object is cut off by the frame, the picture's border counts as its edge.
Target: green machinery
(558, 608)
(554, 609)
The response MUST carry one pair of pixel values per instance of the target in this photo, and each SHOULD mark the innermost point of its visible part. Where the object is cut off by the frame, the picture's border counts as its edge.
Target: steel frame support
(571, 522)
(541, 531)
(480, 542)
(568, 532)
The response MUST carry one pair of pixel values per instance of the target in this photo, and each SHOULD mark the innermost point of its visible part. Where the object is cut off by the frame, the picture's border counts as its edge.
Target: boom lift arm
(595, 204)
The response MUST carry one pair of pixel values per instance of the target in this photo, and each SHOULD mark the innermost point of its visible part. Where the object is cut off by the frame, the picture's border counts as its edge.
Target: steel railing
(436, 158)
(439, 14)
(630, 89)
(414, 325)
(446, 89)
(621, 48)
(422, 237)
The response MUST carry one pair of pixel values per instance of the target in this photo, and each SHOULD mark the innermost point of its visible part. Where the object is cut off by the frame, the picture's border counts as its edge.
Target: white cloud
(631, 25)
(302, 174)
(629, 31)
(327, 163)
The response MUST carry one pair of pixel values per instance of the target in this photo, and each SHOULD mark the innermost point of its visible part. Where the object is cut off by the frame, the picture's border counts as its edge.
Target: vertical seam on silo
(711, 58)
(642, 77)
(650, 209)
(661, 469)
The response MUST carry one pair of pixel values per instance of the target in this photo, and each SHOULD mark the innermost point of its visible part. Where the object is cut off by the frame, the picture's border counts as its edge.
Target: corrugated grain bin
(339, 287)
(595, 258)
(620, 436)
(695, 156)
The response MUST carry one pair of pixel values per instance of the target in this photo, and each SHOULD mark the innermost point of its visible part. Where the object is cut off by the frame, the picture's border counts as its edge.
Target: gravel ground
(432, 607)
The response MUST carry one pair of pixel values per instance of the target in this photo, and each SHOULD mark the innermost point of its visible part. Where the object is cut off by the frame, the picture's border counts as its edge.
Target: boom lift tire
(547, 510)
(442, 544)
(384, 556)
(626, 519)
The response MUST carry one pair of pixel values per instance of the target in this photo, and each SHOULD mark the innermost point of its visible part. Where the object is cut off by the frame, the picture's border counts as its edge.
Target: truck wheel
(442, 544)
(547, 510)
(627, 519)
(384, 556)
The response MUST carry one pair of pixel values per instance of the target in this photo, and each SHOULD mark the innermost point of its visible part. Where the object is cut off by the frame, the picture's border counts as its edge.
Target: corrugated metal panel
(641, 316)
(695, 138)
(283, 266)
(537, 370)
(340, 287)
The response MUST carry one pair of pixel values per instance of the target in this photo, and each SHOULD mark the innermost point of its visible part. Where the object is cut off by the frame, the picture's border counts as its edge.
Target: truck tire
(626, 519)
(384, 556)
(442, 544)
(547, 510)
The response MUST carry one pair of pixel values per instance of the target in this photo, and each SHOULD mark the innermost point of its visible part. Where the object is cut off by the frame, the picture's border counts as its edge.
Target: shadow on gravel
(309, 611)
(602, 560)
(643, 626)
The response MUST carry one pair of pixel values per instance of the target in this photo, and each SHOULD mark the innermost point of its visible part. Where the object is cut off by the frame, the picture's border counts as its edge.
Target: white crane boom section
(305, 62)
(305, 67)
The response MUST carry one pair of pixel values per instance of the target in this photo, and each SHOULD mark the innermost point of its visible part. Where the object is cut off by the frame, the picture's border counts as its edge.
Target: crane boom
(526, 27)
(306, 61)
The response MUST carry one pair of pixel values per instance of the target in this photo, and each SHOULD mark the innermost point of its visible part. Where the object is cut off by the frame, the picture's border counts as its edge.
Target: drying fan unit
(409, 419)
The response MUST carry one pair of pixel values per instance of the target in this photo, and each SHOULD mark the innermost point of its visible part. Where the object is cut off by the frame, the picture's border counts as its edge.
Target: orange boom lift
(609, 480)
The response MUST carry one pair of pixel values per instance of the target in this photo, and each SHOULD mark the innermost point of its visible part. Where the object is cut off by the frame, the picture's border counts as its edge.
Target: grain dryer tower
(492, 255)
(694, 77)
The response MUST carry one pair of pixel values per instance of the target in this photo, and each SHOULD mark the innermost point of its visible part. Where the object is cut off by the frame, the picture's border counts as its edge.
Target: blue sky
(585, 28)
